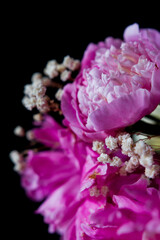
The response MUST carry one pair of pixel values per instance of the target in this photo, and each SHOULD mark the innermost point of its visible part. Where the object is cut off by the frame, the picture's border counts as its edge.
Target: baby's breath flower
(42, 104)
(127, 145)
(111, 143)
(146, 160)
(153, 171)
(19, 131)
(29, 103)
(15, 156)
(98, 147)
(65, 75)
(30, 135)
(39, 90)
(38, 117)
(28, 90)
(35, 77)
(130, 166)
(71, 63)
(142, 148)
(116, 162)
(51, 69)
(59, 94)
(122, 136)
(104, 158)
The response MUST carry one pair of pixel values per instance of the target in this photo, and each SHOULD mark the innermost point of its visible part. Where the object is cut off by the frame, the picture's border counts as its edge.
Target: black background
(33, 35)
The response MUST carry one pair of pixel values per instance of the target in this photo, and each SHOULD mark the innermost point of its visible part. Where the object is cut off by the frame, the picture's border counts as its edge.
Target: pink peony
(118, 84)
(84, 198)
(128, 210)
(45, 171)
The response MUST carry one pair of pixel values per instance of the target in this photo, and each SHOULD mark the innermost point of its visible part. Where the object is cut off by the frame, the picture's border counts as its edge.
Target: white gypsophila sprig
(139, 153)
(153, 171)
(104, 158)
(51, 69)
(111, 143)
(116, 162)
(71, 63)
(98, 146)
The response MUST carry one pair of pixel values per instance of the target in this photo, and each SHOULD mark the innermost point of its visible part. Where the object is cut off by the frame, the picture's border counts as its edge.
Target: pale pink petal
(131, 32)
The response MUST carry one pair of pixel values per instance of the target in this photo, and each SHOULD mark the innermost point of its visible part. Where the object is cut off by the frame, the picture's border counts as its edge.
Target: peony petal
(89, 54)
(131, 32)
(66, 104)
(122, 112)
(156, 81)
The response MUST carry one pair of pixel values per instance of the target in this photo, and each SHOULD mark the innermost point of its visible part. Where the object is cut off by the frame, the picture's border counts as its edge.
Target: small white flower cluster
(18, 161)
(105, 158)
(54, 69)
(35, 94)
(139, 153)
(98, 147)
(96, 192)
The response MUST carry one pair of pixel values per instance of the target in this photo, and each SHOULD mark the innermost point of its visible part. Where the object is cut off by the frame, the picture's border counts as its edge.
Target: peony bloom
(86, 195)
(133, 213)
(55, 174)
(118, 84)
(115, 207)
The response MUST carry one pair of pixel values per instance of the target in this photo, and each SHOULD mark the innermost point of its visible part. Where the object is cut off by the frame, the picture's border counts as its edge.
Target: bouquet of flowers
(94, 155)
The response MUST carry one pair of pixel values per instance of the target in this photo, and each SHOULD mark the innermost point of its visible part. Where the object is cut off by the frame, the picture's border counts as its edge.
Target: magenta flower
(127, 211)
(55, 174)
(85, 198)
(110, 189)
(118, 84)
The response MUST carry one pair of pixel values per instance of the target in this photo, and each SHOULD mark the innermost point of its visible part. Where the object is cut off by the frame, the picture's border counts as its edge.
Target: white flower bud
(15, 156)
(19, 131)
